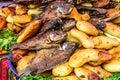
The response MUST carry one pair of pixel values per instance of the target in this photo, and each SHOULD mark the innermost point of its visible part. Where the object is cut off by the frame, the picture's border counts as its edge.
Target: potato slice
(104, 42)
(62, 70)
(115, 52)
(87, 28)
(13, 27)
(98, 70)
(2, 22)
(103, 57)
(22, 18)
(113, 65)
(83, 38)
(69, 77)
(29, 31)
(112, 29)
(80, 57)
(85, 74)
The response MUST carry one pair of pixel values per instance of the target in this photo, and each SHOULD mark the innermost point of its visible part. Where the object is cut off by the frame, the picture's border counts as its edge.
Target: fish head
(57, 36)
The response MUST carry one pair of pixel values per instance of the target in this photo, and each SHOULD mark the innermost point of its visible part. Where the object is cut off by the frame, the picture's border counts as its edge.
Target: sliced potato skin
(83, 38)
(22, 18)
(112, 29)
(62, 70)
(113, 65)
(80, 57)
(69, 77)
(98, 70)
(87, 27)
(85, 74)
(104, 42)
(29, 31)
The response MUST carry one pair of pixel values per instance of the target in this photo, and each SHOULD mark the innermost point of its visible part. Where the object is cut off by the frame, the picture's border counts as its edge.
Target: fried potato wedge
(22, 18)
(115, 52)
(13, 27)
(23, 63)
(2, 22)
(62, 70)
(69, 77)
(113, 65)
(80, 57)
(29, 31)
(87, 27)
(85, 74)
(103, 57)
(85, 40)
(104, 42)
(98, 70)
(112, 29)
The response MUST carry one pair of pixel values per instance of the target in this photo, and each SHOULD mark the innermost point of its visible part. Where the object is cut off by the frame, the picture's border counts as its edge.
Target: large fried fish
(45, 40)
(46, 59)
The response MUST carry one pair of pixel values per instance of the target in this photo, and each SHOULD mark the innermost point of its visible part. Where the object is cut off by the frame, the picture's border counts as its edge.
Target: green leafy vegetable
(7, 37)
(36, 77)
(115, 76)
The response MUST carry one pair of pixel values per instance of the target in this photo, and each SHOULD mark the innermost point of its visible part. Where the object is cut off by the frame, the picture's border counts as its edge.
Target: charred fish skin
(59, 9)
(52, 24)
(46, 61)
(68, 24)
(46, 40)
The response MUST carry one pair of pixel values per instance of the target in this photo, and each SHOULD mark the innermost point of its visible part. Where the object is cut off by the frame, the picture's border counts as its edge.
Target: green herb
(115, 76)
(36, 77)
(7, 37)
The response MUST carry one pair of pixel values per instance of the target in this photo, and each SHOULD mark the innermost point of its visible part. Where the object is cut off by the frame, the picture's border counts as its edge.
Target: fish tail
(25, 71)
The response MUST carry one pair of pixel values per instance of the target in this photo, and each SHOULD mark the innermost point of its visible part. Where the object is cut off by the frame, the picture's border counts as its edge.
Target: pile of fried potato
(20, 20)
(98, 55)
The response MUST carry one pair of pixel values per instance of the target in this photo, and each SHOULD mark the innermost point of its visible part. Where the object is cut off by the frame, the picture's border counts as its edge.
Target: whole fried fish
(59, 9)
(49, 39)
(46, 59)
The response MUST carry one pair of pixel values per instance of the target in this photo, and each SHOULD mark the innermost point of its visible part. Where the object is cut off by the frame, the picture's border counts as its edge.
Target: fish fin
(25, 71)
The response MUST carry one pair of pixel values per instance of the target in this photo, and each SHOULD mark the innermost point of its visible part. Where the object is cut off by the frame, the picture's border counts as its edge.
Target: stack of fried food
(48, 38)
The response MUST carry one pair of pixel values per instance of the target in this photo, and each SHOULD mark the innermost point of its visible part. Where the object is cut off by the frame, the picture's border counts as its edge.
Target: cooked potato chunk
(13, 27)
(10, 18)
(69, 77)
(98, 70)
(20, 9)
(5, 11)
(22, 18)
(62, 70)
(29, 31)
(104, 42)
(80, 57)
(85, 74)
(83, 38)
(113, 65)
(112, 29)
(87, 27)
(103, 57)
(115, 52)
(2, 22)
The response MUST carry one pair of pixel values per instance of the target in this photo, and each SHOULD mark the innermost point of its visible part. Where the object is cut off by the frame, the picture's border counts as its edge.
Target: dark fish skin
(68, 24)
(52, 24)
(59, 9)
(46, 40)
(48, 58)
